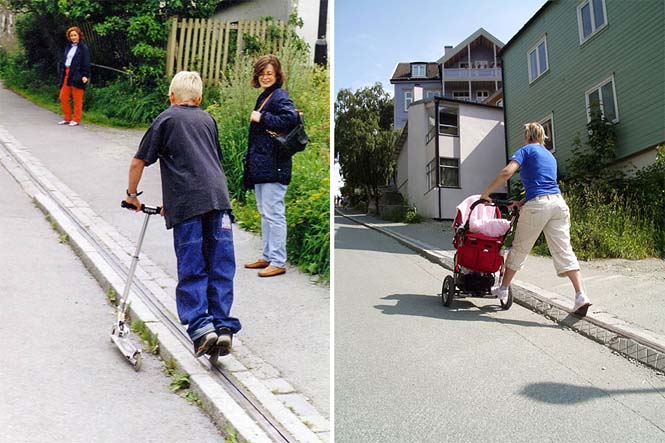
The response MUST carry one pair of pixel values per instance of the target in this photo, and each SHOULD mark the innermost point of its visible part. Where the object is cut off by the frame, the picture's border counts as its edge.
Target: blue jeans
(206, 266)
(270, 203)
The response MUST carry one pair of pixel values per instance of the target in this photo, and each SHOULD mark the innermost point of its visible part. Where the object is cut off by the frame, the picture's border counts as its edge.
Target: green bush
(308, 195)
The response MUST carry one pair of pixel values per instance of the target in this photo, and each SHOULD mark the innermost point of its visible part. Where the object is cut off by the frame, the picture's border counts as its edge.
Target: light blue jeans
(270, 202)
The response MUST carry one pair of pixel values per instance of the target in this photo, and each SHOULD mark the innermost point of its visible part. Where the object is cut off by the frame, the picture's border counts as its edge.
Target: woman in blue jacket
(267, 168)
(74, 77)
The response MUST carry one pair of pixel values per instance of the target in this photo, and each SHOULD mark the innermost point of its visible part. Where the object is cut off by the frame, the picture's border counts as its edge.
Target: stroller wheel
(505, 306)
(448, 291)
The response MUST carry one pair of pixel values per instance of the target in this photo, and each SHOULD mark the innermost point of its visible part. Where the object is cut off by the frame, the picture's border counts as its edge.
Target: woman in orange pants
(74, 77)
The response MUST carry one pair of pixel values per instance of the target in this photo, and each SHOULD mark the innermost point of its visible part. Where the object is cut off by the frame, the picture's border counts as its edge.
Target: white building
(450, 149)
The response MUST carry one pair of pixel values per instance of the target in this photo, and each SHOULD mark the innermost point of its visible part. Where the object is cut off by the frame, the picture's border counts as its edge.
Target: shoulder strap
(265, 101)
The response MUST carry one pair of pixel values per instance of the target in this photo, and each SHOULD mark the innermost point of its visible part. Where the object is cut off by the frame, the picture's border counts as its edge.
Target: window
(538, 63)
(602, 98)
(482, 94)
(591, 18)
(449, 172)
(418, 70)
(461, 95)
(481, 64)
(408, 98)
(432, 93)
(448, 120)
(549, 133)
(464, 65)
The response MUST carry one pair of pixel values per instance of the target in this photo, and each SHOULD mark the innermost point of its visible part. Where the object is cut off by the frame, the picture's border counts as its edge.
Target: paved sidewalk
(628, 297)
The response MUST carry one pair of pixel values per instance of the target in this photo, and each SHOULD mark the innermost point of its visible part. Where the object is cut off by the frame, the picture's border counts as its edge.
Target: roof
(526, 25)
(403, 72)
(480, 32)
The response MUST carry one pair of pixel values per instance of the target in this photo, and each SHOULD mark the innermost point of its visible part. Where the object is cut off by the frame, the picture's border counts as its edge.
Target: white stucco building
(450, 149)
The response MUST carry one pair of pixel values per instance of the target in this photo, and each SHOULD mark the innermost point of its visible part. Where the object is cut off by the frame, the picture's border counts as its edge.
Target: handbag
(295, 140)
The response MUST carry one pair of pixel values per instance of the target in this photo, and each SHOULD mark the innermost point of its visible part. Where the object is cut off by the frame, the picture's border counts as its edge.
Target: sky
(372, 36)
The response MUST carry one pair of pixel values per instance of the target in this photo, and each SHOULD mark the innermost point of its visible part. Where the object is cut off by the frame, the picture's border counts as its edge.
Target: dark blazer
(79, 68)
(264, 161)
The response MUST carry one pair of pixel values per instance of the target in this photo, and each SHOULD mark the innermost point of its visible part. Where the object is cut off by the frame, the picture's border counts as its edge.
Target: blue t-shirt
(537, 170)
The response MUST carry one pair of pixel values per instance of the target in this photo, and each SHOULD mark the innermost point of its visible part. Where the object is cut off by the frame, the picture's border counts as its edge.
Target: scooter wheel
(448, 291)
(139, 362)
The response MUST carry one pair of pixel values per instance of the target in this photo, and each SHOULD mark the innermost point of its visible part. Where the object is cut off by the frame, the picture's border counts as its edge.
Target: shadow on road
(463, 309)
(565, 394)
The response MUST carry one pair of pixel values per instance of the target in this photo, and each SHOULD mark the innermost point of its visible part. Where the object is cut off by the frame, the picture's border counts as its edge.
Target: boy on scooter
(196, 205)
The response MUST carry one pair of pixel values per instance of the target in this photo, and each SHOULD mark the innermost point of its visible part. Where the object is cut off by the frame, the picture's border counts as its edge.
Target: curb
(625, 338)
(261, 380)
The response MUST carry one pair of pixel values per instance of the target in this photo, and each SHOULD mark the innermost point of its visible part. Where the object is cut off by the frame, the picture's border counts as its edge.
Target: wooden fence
(204, 45)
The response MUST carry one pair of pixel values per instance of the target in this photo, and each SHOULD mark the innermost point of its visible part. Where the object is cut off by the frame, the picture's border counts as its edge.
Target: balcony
(485, 74)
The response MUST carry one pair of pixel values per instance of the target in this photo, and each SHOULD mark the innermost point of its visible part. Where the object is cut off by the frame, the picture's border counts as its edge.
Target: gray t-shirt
(185, 140)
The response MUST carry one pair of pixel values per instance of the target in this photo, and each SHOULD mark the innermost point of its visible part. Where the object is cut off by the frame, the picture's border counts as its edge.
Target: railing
(493, 73)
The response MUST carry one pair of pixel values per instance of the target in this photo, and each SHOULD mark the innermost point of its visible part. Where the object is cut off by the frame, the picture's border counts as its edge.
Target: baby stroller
(479, 235)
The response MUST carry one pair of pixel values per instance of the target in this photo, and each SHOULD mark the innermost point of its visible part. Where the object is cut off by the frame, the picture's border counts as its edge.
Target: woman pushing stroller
(542, 210)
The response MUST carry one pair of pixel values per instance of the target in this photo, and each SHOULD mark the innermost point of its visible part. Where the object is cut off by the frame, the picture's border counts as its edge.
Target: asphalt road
(62, 380)
(286, 319)
(408, 369)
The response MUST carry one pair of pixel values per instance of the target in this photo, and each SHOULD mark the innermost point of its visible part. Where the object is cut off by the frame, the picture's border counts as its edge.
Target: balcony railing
(464, 73)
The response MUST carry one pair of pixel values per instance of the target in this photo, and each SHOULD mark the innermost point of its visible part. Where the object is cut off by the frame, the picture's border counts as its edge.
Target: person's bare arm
(135, 172)
(502, 177)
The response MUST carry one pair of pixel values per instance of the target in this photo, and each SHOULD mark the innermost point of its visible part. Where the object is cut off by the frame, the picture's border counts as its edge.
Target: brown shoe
(271, 271)
(258, 264)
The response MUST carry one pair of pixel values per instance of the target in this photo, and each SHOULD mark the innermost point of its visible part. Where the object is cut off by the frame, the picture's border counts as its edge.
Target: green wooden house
(576, 55)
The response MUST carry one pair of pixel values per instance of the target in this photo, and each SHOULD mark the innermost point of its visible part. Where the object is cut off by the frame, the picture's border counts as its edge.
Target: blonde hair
(534, 132)
(186, 86)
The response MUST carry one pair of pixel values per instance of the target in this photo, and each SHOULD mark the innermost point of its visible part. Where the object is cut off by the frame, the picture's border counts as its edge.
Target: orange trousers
(67, 92)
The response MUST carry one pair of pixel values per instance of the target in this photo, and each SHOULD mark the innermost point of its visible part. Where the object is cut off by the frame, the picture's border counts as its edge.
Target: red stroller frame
(477, 258)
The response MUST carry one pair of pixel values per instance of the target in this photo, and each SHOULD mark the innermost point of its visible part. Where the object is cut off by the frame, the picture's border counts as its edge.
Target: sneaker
(500, 293)
(203, 343)
(64, 122)
(225, 341)
(73, 123)
(581, 305)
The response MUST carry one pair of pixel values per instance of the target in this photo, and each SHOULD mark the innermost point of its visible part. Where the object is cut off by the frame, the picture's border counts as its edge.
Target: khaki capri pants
(550, 215)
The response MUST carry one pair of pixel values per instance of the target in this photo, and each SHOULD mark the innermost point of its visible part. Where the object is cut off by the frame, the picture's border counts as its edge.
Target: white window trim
(459, 178)
(408, 95)
(461, 92)
(551, 119)
(420, 66)
(528, 59)
(487, 92)
(600, 97)
(594, 30)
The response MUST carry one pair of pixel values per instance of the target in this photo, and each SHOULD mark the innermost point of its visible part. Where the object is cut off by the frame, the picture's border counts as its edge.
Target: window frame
(439, 109)
(467, 97)
(442, 167)
(408, 99)
(418, 66)
(594, 30)
(549, 117)
(598, 87)
(547, 59)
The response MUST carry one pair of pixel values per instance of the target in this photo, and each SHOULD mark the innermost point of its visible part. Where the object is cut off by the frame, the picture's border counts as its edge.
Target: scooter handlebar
(152, 210)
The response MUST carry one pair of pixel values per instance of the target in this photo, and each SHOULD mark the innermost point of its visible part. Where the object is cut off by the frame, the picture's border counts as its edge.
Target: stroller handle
(151, 210)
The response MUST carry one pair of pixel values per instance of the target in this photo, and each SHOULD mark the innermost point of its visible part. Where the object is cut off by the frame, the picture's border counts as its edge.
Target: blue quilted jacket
(264, 162)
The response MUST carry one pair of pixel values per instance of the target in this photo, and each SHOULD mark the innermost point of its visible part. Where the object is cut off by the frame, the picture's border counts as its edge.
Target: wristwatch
(135, 194)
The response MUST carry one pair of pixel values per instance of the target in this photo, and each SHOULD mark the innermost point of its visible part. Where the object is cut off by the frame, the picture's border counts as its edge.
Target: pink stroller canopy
(484, 218)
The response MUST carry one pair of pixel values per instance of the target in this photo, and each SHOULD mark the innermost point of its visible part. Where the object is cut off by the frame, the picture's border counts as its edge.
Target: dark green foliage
(364, 138)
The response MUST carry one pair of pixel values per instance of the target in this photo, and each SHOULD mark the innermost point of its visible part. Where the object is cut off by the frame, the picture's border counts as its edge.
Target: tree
(364, 138)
